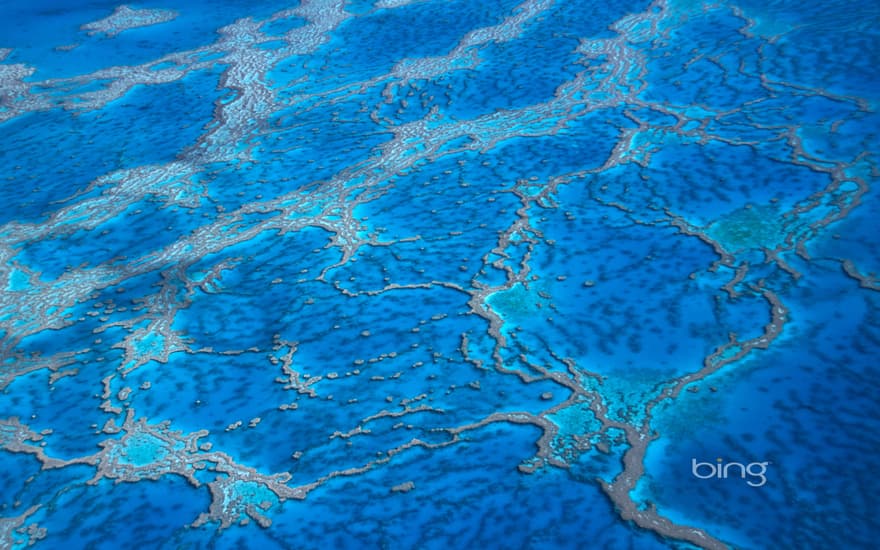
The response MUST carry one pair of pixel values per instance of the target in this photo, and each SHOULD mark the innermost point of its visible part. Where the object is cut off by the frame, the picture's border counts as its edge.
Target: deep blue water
(418, 274)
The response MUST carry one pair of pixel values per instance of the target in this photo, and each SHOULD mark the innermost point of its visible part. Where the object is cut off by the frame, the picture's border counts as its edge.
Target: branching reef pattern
(352, 257)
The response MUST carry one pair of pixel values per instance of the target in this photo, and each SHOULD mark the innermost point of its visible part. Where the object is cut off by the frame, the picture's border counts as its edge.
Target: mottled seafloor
(439, 274)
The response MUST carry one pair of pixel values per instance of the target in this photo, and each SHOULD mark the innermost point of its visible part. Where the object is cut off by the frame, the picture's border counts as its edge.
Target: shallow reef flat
(439, 274)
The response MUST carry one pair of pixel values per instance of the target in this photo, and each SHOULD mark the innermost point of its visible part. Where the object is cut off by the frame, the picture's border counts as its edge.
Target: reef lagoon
(439, 274)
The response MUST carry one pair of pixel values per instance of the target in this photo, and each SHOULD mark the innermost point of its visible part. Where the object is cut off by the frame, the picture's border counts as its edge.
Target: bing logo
(720, 470)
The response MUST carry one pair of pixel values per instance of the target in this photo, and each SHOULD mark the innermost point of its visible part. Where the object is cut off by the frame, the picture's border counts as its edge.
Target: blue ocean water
(439, 274)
